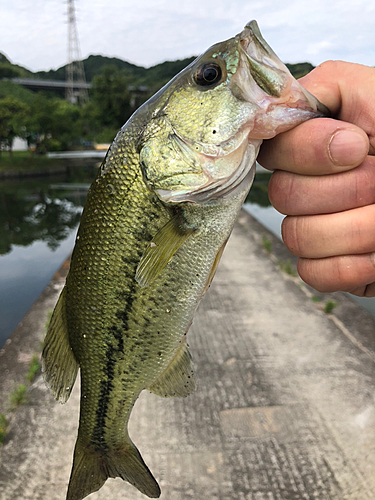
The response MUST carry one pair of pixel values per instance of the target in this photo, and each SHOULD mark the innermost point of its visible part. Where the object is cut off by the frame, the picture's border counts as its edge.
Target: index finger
(347, 89)
(323, 146)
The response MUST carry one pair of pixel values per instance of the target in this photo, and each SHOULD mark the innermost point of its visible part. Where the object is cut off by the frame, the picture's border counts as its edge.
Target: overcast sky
(34, 33)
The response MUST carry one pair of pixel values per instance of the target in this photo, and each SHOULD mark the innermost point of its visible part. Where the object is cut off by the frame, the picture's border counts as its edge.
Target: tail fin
(91, 469)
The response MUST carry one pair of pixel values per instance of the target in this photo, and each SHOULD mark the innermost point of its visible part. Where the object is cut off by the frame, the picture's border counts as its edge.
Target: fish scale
(156, 220)
(156, 308)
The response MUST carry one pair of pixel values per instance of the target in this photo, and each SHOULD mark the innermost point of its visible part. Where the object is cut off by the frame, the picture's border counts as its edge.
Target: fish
(153, 229)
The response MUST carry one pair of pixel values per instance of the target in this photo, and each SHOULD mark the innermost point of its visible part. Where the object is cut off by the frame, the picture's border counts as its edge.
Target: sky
(34, 33)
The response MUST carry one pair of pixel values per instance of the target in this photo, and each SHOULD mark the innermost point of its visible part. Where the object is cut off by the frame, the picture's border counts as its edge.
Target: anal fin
(59, 364)
(178, 379)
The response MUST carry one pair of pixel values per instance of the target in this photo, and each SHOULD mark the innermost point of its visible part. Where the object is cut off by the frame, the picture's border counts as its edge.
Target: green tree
(111, 97)
(53, 124)
(89, 122)
(13, 113)
(8, 71)
(299, 70)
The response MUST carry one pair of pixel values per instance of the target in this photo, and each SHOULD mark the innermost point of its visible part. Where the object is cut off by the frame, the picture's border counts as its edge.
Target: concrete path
(284, 410)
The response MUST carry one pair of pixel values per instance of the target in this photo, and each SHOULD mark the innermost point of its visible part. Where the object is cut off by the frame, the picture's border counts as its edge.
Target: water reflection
(40, 211)
(40, 218)
(38, 222)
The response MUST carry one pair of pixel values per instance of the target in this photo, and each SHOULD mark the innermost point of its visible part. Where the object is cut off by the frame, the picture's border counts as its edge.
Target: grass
(315, 298)
(329, 306)
(19, 396)
(24, 160)
(288, 268)
(3, 427)
(266, 243)
(34, 367)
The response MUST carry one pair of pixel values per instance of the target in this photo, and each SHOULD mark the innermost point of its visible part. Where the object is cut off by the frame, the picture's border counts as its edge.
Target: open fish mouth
(271, 75)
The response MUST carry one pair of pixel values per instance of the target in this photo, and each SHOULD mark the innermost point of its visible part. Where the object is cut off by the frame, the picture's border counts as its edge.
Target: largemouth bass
(153, 229)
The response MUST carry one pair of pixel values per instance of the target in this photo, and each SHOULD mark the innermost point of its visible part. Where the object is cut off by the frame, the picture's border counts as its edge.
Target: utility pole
(76, 91)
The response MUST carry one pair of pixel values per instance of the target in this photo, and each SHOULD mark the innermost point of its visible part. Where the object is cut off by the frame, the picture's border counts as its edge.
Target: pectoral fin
(178, 379)
(164, 245)
(59, 364)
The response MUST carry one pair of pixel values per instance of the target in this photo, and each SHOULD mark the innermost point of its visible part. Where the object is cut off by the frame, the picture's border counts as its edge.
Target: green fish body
(155, 223)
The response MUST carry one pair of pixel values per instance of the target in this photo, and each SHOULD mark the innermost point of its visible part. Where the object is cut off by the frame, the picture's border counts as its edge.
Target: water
(268, 216)
(38, 224)
(24, 273)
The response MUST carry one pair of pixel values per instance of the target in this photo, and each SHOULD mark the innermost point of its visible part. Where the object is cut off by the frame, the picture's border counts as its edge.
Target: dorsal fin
(178, 379)
(161, 249)
(59, 364)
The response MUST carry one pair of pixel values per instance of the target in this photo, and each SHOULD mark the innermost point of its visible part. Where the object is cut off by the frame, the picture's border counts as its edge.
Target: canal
(38, 223)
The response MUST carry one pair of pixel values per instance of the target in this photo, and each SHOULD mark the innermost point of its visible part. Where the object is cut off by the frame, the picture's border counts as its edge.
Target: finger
(345, 88)
(316, 147)
(293, 194)
(349, 273)
(364, 290)
(319, 236)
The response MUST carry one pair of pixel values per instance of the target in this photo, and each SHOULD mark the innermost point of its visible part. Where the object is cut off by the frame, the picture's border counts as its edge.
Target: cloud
(319, 47)
(150, 31)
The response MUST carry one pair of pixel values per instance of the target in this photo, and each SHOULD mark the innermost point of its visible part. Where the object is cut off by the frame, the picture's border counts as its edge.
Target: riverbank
(284, 408)
(23, 160)
(23, 164)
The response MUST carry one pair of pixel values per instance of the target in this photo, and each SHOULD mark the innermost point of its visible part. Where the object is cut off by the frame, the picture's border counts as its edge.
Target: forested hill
(10, 70)
(93, 65)
(153, 77)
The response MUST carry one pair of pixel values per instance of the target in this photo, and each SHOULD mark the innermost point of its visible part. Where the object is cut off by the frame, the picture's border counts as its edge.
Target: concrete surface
(284, 409)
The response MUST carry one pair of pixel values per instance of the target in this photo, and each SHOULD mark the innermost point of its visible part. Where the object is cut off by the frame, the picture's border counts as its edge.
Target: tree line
(50, 123)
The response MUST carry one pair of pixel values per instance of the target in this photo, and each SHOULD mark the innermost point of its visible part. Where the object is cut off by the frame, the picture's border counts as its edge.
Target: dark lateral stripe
(106, 386)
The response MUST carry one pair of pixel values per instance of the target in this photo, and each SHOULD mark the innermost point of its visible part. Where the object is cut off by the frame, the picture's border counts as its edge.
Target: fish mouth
(271, 75)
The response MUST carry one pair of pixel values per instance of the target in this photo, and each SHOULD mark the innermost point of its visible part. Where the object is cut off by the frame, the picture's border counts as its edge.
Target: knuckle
(281, 190)
(331, 65)
(369, 290)
(291, 234)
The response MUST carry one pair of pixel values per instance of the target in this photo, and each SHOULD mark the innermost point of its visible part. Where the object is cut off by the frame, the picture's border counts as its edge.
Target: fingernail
(347, 148)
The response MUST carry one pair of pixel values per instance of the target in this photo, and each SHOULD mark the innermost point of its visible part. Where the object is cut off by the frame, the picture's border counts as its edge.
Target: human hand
(330, 204)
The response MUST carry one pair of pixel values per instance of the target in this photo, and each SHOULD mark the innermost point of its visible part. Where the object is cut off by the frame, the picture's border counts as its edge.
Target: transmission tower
(76, 90)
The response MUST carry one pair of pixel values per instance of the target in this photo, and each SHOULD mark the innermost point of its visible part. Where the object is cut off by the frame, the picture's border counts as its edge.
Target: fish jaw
(252, 32)
(206, 153)
(264, 79)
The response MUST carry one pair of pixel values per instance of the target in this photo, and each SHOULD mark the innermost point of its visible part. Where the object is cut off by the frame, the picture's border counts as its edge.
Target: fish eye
(208, 74)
